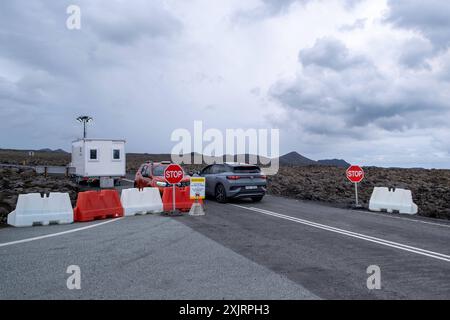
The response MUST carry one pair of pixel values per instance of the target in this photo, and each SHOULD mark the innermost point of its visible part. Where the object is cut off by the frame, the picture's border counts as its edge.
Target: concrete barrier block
(147, 200)
(94, 205)
(390, 200)
(34, 209)
(183, 201)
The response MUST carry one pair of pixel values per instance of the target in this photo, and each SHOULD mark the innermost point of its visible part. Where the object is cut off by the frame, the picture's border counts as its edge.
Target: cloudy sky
(363, 80)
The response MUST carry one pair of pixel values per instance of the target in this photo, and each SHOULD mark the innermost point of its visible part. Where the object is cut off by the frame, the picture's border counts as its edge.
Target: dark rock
(14, 182)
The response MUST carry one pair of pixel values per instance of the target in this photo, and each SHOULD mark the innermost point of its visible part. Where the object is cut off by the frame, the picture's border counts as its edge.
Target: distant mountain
(50, 150)
(334, 162)
(295, 159)
(60, 150)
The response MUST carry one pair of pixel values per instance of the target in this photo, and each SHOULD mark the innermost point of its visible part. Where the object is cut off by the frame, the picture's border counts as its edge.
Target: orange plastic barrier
(92, 205)
(182, 199)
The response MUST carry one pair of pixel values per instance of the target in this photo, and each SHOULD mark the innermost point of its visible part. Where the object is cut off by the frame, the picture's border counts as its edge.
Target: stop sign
(173, 174)
(355, 174)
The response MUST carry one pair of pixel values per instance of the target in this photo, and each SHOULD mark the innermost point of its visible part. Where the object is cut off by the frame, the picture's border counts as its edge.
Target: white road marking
(388, 243)
(392, 216)
(57, 234)
(379, 214)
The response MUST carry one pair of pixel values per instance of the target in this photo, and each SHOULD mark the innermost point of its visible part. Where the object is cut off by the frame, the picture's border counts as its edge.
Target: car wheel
(221, 195)
(257, 199)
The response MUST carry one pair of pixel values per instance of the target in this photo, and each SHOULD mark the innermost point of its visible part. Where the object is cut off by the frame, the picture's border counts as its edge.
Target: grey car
(234, 180)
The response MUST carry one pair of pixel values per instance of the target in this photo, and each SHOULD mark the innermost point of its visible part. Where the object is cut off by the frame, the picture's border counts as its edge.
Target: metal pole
(173, 197)
(356, 193)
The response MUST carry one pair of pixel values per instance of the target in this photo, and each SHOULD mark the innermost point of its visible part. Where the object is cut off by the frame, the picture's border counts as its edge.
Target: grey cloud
(146, 20)
(134, 65)
(45, 43)
(33, 88)
(351, 3)
(275, 7)
(266, 9)
(444, 73)
(32, 41)
(256, 91)
(56, 74)
(356, 95)
(415, 53)
(430, 18)
(330, 53)
(358, 24)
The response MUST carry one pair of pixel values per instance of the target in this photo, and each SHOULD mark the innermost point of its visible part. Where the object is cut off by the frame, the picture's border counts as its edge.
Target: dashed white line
(387, 243)
(58, 233)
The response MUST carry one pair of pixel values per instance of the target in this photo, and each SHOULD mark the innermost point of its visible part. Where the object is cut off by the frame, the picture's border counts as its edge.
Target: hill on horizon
(295, 159)
(290, 159)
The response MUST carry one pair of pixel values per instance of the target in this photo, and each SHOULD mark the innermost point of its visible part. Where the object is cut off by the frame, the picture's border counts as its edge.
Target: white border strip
(387, 243)
(57, 234)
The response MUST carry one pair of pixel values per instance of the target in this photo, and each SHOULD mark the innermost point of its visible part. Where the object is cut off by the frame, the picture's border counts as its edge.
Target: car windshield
(247, 169)
(158, 170)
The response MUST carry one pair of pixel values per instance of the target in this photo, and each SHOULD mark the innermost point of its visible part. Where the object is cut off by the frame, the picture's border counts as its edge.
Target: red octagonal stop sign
(173, 174)
(355, 174)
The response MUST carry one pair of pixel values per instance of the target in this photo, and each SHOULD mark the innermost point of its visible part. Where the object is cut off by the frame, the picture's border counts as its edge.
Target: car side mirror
(194, 173)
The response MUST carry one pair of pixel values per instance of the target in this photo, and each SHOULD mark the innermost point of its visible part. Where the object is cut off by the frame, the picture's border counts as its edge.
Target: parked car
(234, 180)
(151, 174)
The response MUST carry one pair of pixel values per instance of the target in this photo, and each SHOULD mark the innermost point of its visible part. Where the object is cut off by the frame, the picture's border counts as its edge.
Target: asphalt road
(328, 250)
(276, 249)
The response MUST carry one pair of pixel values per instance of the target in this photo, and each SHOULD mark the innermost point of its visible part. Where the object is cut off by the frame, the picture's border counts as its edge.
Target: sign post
(355, 174)
(173, 174)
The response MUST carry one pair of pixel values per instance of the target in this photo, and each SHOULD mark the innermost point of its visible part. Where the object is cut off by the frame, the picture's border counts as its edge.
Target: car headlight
(161, 184)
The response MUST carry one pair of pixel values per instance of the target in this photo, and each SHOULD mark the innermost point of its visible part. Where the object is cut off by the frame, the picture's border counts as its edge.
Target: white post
(356, 193)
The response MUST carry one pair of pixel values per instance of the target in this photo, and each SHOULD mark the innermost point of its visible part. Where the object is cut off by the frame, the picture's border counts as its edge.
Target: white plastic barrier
(33, 209)
(392, 200)
(148, 200)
